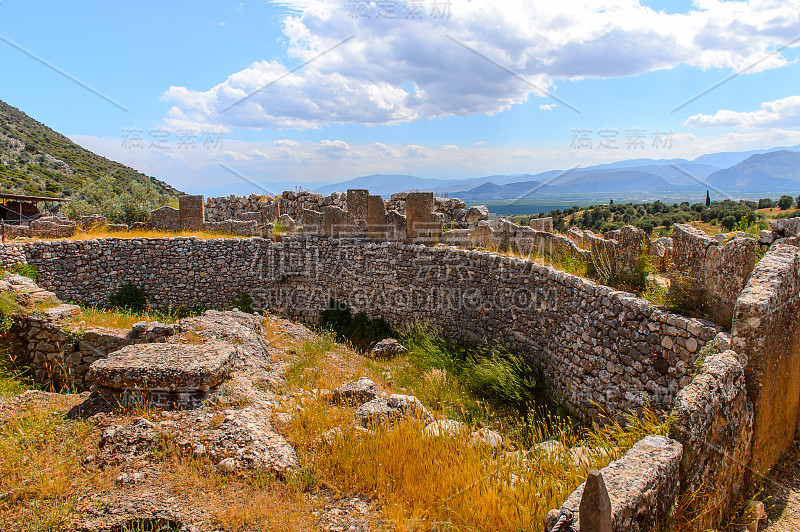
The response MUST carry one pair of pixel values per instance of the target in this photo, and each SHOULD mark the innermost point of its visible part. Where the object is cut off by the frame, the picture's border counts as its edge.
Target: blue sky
(453, 89)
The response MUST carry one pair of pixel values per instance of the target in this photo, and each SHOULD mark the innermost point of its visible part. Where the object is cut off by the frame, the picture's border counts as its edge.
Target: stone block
(421, 223)
(337, 222)
(165, 219)
(542, 224)
(191, 212)
(357, 205)
(117, 228)
(168, 375)
(376, 218)
(93, 222)
(764, 336)
(256, 216)
(396, 226)
(642, 485)
(313, 222)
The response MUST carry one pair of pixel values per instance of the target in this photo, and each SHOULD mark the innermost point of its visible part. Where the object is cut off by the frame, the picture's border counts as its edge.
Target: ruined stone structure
(765, 337)
(598, 346)
(165, 219)
(710, 274)
(586, 335)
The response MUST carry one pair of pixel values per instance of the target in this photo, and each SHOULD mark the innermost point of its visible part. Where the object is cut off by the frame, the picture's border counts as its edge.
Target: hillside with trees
(36, 160)
(658, 217)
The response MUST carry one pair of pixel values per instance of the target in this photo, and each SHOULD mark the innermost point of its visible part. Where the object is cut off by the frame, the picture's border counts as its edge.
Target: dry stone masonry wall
(711, 273)
(597, 344)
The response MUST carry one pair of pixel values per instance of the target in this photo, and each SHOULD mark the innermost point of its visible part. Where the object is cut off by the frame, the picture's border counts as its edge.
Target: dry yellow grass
(449, 479)
(41, 457)
(95, 234)
(237, 502)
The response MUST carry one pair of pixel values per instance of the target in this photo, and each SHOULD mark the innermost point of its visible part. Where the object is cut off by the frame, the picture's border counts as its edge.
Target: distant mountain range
(730, 173)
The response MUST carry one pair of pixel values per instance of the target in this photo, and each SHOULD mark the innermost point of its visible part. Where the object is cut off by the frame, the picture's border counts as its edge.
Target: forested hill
(36, 160)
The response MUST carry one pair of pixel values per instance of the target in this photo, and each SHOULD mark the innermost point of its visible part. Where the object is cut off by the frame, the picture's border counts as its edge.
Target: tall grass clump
(468, 379)
(41, 456)
(26, 270)
(8, 309)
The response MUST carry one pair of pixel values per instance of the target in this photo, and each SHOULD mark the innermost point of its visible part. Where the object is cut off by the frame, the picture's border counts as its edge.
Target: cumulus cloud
(450, 147)
(381, 71)
(779, 113)
(548, 106)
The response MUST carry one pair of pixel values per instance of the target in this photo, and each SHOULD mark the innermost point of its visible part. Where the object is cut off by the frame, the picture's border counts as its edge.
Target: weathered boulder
(487, 437)
(388, 348)
(390, 409)
(477, 213)
(444, 427)
(355, 392)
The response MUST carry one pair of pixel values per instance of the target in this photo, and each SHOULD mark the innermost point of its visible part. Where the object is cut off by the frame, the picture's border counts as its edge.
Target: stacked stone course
(585, 335)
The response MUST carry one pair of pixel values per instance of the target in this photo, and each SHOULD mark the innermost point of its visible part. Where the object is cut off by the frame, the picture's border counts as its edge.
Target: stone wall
(642, 487)
(505, 236)
(711, 274)
(294, 203)
(765, 335)
(12, 253)
(60, 353)
(596, 344)
(714, 422)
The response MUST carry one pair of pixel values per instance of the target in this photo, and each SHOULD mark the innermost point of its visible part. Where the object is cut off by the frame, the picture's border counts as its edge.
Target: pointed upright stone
(595, 509)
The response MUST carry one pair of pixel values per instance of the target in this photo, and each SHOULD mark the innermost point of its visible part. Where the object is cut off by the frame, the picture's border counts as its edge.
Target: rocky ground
(225, 466)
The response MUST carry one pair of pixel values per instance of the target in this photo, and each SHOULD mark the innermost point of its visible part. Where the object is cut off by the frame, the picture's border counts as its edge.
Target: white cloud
(479, 143)
(450, 147)
(779, 113)
(368, 80)
(548, 106)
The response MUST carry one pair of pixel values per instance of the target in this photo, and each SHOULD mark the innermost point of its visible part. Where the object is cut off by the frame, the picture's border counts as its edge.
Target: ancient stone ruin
(731, 376)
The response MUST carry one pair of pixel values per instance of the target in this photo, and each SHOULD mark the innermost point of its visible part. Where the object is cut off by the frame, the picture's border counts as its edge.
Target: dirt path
(781, 494)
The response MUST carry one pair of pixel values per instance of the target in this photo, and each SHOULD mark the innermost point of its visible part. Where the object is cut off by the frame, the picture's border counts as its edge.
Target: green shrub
(8, 308)
(243, 302)
(130, 297)
(728, 222)
(27, 270)
(361, 331)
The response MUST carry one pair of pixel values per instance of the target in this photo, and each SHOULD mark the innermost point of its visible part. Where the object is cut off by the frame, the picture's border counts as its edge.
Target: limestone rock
(444, 427)
(355, 392)
(388, 348)
(488, 437)
(477, 213)
(390, 409)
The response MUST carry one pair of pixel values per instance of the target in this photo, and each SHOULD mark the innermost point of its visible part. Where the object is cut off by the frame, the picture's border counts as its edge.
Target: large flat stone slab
(163, 374)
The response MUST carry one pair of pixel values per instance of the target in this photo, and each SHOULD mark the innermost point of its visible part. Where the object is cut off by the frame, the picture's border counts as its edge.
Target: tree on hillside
(728, 222)
(708, 199)
(785, 202)
(797, 201)
(765, 203)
